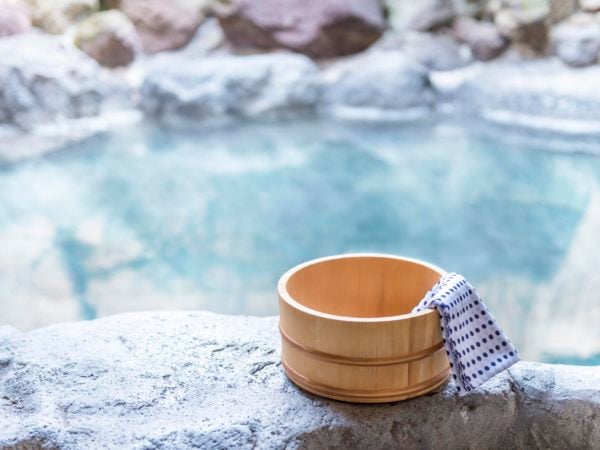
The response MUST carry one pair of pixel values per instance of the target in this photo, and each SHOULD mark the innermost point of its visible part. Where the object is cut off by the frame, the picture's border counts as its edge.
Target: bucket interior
(362, 286)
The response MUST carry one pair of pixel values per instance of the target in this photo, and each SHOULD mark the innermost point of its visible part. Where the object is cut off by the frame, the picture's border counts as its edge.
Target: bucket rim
(286, 297)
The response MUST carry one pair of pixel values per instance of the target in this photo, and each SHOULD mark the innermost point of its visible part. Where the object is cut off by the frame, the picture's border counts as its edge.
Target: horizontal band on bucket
(359, 394)
(354, 361)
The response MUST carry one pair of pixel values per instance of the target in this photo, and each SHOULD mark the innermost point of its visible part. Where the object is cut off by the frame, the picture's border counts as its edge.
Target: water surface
(147, 217)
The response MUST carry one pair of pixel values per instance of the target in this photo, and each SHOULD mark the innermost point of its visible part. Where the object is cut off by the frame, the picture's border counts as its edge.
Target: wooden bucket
(348, 333)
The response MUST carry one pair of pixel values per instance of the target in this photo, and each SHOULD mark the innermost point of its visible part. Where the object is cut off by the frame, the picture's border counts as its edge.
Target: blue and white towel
(476, 346)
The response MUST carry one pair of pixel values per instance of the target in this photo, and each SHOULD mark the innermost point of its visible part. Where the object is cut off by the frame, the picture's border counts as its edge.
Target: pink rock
(109, 37)
(319, 28)
(164, 25)
(13, 20)
(483, 38)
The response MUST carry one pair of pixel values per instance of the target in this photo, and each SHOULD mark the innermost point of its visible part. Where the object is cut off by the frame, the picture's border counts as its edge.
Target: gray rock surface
(434, 51)
(483, 38)
(198, 380)
(543, 94)
(576, 41)
(44, 80)
(271, 85)
(377, 84)
(282, 85)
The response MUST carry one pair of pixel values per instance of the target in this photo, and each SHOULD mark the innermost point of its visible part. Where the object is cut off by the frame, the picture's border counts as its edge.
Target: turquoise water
(147, 217)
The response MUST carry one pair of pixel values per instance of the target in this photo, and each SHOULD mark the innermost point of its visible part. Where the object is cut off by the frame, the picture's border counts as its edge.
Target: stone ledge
(200, 380)
(542, 95)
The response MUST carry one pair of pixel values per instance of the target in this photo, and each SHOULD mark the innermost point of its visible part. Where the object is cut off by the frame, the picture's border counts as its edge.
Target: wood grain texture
(347, 331)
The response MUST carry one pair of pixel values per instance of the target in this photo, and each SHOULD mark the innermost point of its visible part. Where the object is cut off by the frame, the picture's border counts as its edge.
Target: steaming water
(152, 218)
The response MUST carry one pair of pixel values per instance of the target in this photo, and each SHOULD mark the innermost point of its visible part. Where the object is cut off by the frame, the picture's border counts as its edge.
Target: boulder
(590, 5)
(198, 380)
(46, 81)
(560, 10)
(524, 22)
(221, 87)
(434, 51)
(14, 19)
(379, 83)
(530, 30)
(577, 40)
(164, 25)
(483, 38)
(108, 37)
(319, 28)
(56, 16)
(424, 15)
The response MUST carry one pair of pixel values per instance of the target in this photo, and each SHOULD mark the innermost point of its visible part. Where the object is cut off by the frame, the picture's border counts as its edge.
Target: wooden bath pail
(348, 332)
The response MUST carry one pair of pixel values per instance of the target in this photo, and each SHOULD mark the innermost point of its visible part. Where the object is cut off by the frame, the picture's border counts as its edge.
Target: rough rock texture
(14, 19)
(373, 84)
(198, 380)
(108, 37)
(45, 81)
(231, 86)
(434, 51)
(541, 94)
(577, 40)
(377, 83)
(483, 38)
(164, 25)
(319, 28)
(56, 16)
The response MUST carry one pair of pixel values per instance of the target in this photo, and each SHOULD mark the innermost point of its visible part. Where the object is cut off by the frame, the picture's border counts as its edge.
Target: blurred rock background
(70, 59)
(115, 32)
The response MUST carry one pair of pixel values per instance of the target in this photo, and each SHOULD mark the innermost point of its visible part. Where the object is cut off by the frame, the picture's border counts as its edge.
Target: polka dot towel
(476, 346)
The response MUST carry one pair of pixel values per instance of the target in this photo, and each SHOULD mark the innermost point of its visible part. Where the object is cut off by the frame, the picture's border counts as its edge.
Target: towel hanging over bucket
(475, 344)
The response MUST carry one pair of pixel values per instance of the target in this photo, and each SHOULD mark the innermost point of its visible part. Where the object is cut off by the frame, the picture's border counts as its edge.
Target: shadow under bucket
(348, 332)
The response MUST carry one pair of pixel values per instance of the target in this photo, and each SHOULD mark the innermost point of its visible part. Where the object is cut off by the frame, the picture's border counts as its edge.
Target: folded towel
(475, 344)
